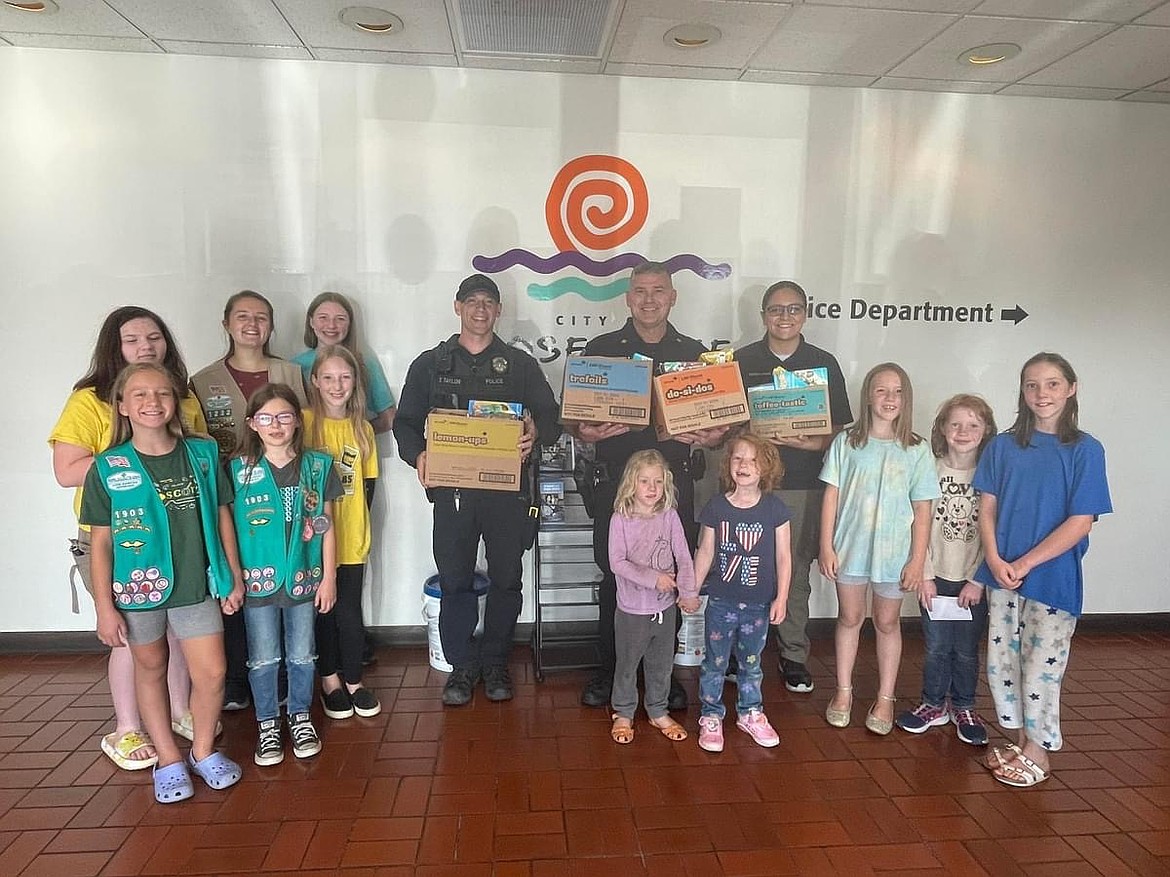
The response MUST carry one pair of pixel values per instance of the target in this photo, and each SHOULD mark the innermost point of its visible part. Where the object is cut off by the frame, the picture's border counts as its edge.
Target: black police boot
(497, 683)
(597, 690)
(676, 701)
(460, 687)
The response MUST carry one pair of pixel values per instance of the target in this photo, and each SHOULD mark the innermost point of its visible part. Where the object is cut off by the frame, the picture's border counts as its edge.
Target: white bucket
(692, 638)
(432, 595)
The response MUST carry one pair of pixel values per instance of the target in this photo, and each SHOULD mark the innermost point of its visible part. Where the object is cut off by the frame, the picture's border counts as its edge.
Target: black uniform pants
(501, 520)
(607, 589)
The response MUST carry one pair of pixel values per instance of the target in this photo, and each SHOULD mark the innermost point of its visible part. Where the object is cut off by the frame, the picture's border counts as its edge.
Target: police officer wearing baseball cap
(476, 364)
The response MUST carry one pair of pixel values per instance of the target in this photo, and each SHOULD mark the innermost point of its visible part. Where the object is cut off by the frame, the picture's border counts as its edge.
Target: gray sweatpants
(649, 640)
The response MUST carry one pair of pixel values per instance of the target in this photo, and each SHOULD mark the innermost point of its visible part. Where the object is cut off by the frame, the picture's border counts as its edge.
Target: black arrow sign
(1016, 314)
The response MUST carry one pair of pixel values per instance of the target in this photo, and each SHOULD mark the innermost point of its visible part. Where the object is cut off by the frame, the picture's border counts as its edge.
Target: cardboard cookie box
(797, 403)
(602, 389)
(701, 397)
(474, 452)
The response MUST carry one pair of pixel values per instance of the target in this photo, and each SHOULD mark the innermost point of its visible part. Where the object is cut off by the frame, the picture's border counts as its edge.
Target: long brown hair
(350, 342)
(903, 424)
(251, 446)
(227, 310)
(1067, 430)
(355, 408)
(123, 430)
(107, 360)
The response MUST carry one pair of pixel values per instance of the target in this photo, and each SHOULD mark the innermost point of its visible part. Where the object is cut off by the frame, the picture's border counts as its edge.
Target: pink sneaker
(756, 724)
(711, 733)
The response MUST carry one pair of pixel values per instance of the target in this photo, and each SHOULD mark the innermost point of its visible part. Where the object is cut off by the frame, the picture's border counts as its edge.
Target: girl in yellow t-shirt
(129, 335)
(336, 423)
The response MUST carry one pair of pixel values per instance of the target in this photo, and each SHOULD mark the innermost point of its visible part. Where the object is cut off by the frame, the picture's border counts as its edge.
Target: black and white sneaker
(269, 744)
(365, 702)
(796, 676)
(337, 704)
(305, 740)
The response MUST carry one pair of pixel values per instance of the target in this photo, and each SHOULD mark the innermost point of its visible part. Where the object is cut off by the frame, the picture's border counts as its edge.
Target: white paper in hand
(948, 609)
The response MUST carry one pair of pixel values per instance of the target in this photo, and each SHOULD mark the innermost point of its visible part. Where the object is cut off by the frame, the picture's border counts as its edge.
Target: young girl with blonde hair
(651, 560)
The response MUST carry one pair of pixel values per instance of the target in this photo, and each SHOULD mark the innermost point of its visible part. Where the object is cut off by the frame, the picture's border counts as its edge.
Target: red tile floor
(535, 787)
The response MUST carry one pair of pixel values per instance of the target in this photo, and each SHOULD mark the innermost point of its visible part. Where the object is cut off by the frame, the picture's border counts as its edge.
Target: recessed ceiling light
(370, 19)
(691, 36)
(992, 53)
(25, 6)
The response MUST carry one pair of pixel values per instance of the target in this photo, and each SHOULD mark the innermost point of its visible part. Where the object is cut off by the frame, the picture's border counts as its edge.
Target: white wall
(172, 182)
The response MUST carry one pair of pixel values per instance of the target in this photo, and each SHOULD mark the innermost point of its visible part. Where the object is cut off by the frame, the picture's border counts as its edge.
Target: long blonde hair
(355, 408)
(903, 424)
(624, 502)
(123, 430)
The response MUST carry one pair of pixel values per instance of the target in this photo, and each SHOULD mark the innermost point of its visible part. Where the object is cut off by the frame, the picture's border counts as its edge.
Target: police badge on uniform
(500, 365)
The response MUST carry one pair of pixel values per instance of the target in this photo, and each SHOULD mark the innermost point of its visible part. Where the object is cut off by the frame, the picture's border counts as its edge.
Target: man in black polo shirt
(784, 311)
(476, 364)
(648, 332)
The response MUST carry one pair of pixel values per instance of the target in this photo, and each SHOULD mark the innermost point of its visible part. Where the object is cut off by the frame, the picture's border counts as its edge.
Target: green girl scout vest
(140, 531)
(269, 564)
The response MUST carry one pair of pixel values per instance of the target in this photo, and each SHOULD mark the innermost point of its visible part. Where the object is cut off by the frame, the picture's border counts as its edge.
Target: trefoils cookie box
(603, 389)
(797, 403)
(698, 398)
(475, 452)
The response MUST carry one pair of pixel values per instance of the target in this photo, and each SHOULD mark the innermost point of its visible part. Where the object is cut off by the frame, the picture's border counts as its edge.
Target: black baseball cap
(477, 283)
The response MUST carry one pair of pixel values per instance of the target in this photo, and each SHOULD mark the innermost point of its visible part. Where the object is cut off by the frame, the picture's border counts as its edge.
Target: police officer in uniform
(648, 332)
(784, 311)
(476, 364)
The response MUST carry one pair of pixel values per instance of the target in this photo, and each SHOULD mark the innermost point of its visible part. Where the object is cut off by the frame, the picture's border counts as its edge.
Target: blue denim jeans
(744, 627)
(952, 653)
(264, 655)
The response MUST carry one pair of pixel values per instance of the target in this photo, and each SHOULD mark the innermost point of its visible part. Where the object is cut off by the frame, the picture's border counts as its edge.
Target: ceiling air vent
(562, 28)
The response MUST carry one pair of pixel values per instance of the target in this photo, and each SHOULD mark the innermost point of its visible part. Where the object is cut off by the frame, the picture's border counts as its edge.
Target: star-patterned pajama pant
(743, 627)
(1027, 653)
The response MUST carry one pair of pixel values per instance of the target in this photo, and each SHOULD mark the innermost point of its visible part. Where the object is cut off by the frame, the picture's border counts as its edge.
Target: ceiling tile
(1119, 11)
(255, 22)
(935, 85)
(73, 41)
(366, 56)
(1129, 57)
(744, 26)
(823, 39)
(836, 80)
(90, 17)
(425, 27)
(905, 5)
(539, 65)
(1042, 42)
(1062, 91)
(1158, 16)
(235, 50)
(667, 71)
(1149, 97)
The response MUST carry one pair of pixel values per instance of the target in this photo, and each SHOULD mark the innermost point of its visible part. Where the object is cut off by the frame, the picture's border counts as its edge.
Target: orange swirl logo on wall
(595, 203)
(575, 224)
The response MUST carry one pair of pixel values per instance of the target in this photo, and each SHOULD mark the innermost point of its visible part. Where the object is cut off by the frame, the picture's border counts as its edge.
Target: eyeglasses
(284, 418)
(794, 310)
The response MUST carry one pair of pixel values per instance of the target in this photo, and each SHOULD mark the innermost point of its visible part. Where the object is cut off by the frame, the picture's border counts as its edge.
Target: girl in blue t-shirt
(875, 528)
(744, 562)
(1043, 484)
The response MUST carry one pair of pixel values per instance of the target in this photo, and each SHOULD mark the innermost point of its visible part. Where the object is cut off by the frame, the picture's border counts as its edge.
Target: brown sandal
(672, 730)
(622, 733)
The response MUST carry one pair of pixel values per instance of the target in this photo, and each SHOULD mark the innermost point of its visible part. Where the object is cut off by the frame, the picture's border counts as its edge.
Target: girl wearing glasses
(283, 516)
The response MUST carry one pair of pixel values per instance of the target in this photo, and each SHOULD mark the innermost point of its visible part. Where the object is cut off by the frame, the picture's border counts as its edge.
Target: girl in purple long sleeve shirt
(651, 561)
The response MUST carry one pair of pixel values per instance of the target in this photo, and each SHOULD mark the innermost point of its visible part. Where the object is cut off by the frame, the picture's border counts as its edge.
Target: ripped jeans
(263, 623)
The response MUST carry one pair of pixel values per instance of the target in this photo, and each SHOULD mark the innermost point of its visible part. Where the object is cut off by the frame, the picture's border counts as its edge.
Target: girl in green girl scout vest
(164, 553)
(283, 515)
